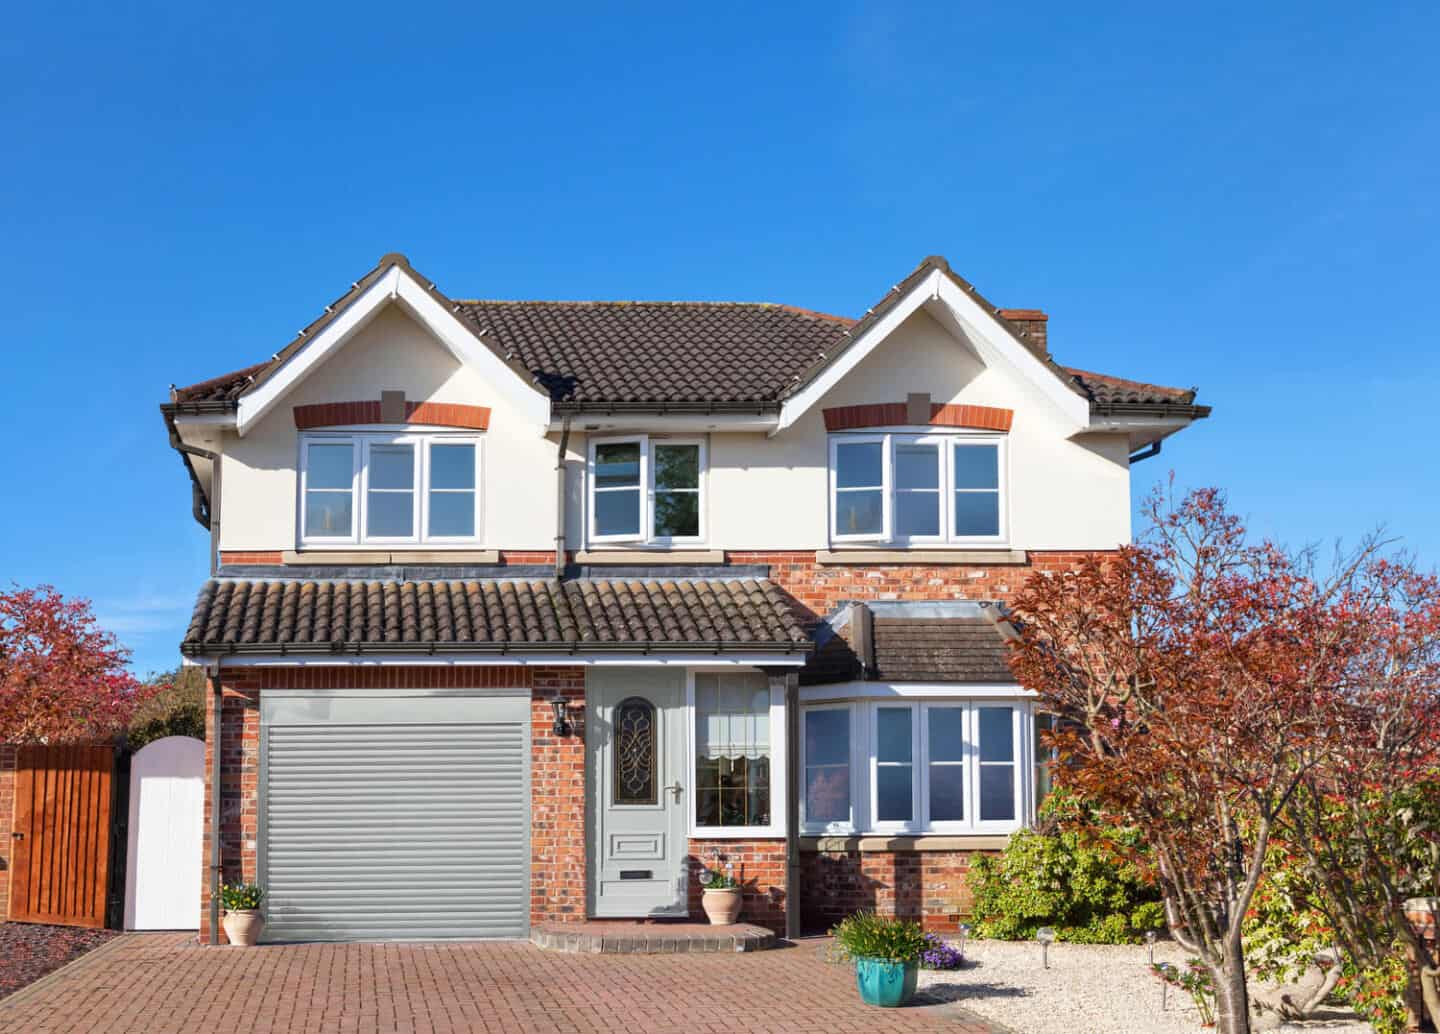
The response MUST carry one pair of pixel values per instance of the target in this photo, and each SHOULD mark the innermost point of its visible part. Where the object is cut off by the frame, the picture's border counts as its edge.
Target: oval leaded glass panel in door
(634, 752)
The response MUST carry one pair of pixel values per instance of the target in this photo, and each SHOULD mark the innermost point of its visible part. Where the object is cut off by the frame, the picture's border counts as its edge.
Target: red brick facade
(759, 865)
(557, 799)
(7, 816)
(926, 885)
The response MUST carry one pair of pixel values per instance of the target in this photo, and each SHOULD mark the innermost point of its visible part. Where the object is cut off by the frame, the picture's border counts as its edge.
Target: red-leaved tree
(1193, 675)
(62, 677)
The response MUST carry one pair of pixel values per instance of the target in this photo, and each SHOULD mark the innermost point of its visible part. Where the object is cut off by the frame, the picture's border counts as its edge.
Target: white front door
(636, 743)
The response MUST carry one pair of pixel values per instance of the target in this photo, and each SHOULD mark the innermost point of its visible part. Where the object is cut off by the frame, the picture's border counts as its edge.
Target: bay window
(929, 766)
(918, 488)
(388, 489)
(736, 729)
(647, 491)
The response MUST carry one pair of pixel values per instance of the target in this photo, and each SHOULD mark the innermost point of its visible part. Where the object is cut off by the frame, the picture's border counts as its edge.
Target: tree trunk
(1232, 999)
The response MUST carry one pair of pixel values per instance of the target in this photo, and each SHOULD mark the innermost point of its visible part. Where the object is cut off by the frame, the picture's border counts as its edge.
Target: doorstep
(641, 937)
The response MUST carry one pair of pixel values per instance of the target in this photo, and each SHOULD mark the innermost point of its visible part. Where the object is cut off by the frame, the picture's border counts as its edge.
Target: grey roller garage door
(396, 817)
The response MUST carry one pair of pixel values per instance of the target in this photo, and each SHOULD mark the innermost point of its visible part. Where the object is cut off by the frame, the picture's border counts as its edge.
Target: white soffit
(992, 341)
(396, 285)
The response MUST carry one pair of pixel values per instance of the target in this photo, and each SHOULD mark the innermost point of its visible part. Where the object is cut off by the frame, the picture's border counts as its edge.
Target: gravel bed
(1088, 989)
(29, 950)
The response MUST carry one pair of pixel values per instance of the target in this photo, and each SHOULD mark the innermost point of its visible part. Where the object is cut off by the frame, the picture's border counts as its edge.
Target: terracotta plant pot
(243, 926)
(722, 907)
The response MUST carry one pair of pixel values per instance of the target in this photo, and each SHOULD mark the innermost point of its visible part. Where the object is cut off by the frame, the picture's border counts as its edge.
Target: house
(523, 611)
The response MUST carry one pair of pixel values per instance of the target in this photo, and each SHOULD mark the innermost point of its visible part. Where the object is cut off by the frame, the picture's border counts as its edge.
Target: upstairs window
(922, 489)
(647, 491)
(389, 489)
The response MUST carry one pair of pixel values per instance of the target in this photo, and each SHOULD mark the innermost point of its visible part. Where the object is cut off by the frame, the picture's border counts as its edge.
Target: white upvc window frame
(645, 535)
(779, 788)
(946, 444)
(886, 508)
(864, 766)
(361, 443)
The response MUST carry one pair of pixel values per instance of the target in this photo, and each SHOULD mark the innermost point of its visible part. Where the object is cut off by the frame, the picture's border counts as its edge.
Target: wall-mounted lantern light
(562, 726)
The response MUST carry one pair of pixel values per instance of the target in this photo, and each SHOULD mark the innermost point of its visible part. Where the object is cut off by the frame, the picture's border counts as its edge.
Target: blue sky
(1238, 197)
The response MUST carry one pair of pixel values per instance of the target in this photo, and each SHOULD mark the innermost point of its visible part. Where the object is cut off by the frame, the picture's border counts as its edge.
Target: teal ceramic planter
(886, 984)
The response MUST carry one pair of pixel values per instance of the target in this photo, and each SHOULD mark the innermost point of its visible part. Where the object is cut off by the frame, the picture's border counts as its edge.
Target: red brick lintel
(894, 414)
(435, 414)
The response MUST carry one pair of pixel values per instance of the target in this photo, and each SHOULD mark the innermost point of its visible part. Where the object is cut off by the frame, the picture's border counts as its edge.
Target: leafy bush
(175, 707)
(237, 897)
(868, 936)
(1061, 875)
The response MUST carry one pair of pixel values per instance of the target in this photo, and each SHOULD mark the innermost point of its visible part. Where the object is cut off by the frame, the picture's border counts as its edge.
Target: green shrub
(239, 896)
(868, 936)
(176, 709)
(1060, 875)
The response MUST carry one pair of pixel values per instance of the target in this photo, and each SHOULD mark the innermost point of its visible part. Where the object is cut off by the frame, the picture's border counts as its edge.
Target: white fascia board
(554, 660)
(394, 285)
(619, 423)
(204, 420)
(798, 405)
(915, 691)
(995, 342)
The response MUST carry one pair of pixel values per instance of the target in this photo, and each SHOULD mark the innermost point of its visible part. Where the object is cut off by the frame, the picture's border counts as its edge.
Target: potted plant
(243, 920)
(722, 895)
(886, 953)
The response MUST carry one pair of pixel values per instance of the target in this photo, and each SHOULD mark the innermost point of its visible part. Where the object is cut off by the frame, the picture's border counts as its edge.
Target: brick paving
(166, 983)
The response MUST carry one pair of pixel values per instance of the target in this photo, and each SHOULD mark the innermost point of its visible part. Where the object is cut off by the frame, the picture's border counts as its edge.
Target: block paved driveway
(166, 983)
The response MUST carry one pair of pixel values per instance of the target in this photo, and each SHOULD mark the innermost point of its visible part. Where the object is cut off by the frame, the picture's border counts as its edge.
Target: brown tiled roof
(599, 354)
(581, 616)
(916, 649)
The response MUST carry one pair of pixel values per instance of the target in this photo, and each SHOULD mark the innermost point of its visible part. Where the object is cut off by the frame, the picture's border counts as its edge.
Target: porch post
(792, 804)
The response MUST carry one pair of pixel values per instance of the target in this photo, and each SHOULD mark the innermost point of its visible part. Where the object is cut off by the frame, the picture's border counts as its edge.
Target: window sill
(736, 833)
(646, 556)
(386, 556)
(916, 842)
(859, 555)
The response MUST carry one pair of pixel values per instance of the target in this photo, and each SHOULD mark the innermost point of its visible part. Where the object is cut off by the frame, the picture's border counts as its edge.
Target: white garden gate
(167, 808)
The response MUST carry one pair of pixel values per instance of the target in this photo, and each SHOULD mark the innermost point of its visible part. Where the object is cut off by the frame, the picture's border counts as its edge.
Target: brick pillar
(558, 876)
(8, 754)
(239, 785)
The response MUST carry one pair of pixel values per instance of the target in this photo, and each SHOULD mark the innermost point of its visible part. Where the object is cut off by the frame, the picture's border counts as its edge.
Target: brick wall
(926, 885)
(557, 800)
(759, 866)
(557, 775)
(820, 588)
(7, 818)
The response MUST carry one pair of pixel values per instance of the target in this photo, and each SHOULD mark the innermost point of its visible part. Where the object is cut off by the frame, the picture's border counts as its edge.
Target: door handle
(18, 835)
(676, 789)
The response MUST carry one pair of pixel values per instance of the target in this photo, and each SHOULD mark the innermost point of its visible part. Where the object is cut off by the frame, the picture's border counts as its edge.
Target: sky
(1237, 197)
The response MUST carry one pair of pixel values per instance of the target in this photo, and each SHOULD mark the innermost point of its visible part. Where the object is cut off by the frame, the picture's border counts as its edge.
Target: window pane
(917, 513)
(390, 514)
(732, 749)
(329, 466)
(917, 466)
(977, 513)
(677, 466)
(893, 733)
(452, 466)
(452, 514)
(677, 514)
(633, 752)
(617, 465)
(947, 740)
(327, 513)
(392, 466)
(892, 791)
(827, 794)
(617, 513)
(827, 737)
(947, 793)
(977, 466)
(859, 465)
(997, 792)
(859, 513)
(997, 739)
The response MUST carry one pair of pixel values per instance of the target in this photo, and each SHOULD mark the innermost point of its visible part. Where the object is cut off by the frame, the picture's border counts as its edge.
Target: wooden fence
(62, 835)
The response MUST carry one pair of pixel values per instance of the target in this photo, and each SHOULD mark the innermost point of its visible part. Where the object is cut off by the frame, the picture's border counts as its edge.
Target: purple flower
(940, 955)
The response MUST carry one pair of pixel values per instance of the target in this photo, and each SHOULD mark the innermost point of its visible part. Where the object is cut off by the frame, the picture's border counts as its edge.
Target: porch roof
(580, 616)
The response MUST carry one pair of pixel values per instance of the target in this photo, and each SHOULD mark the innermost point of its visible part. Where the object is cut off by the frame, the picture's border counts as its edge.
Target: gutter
(560, 499)
(662, 408)
(203, 648)
(201, 507)
(1156, 409)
